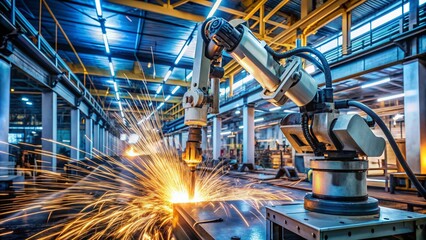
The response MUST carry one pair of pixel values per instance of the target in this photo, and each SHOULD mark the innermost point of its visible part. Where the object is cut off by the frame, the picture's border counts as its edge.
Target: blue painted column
(248, 134)
(89, 136)
(75, 133)
(4, 115)
(49, 116)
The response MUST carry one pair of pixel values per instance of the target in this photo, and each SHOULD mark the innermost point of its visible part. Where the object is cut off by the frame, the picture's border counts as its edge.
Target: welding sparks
(117, 198)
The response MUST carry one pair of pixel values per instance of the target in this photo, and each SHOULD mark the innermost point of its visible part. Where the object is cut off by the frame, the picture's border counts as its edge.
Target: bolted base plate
(347, 208)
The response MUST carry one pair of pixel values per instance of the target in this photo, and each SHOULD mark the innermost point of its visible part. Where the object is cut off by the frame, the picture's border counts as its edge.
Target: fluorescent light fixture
(119, 105)
(169, 72)
(238, 112)
(115, 87)
(259, 119)
(390, 97)
(133, 138)
(241, 127)
(274, 109)
(98, 7)
(384, 80)
(111, 67)
(352, 112)
(182, 52)
(225, 133)
(29, 103)
(214, 8)
(175, 89)
(106, 43)
(24, 99)
(167, 98)
(33, 132)
(122, 115)
(150, 104)
(188, 76)
(123, 137)
(117, 96)
(289, 111)
(160, 106)
(110, 81)
(310, 69)
(159, 89)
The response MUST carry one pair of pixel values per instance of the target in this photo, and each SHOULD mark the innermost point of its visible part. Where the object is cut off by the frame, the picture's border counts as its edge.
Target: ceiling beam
(135, 96)
(275, 9)
(240, 14)
(170, 11)
(164, 10)
(125, 74)
(329, 10)
(128, 54)
(179, 3)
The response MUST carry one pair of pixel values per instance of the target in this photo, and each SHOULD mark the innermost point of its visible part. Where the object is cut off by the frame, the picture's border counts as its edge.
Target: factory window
(328, 46)
(386, 18)
(360, 31)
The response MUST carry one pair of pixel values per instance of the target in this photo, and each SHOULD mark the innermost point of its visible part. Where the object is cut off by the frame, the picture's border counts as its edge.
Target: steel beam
(239, 13)
(4, 116)
(164, 10)
(89, 136)
(96, 135)
(346, 32)
(49, 120)
(275, 9)
(179, 3)
(126, 74)
(135, 96)
(248, 134)
(217, 142)
(415, 117)
(75, 133)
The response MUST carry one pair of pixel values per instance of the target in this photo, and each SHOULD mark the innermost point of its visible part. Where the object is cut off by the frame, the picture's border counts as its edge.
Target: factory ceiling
(146, 37)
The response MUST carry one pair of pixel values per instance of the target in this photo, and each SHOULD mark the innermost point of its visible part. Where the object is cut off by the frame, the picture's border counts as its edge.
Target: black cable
(306, 133)
(319, 55)
(393, 144)
(312, 60)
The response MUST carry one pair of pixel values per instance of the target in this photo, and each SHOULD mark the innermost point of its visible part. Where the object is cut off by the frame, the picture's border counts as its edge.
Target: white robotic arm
(339, 177)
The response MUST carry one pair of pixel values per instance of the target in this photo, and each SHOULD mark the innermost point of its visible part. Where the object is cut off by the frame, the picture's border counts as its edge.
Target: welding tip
(192, 184)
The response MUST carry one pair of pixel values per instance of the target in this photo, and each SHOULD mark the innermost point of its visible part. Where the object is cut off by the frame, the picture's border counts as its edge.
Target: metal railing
(7, 8)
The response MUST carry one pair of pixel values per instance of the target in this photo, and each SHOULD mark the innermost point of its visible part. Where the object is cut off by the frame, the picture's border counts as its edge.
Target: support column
(96, 135)
(231, 85)
(75, 133)
(346, 32)
(4, 116)
(248, 134)
(204, 139)
(306, 7)
(106, 142)
(180, 141)
(49, 116)
(217, 128)
(101, 138)
(89, 137)
(415, 118)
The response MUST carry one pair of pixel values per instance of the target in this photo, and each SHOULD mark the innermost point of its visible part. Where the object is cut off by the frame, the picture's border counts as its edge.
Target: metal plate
(240, 219)
(311, 225)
